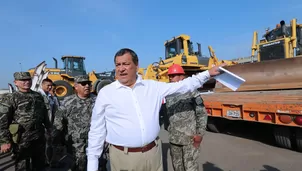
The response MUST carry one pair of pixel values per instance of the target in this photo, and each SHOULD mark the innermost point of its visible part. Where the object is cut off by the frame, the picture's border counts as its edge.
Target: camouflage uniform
(73, 120)
(23, 119)
(187, 117)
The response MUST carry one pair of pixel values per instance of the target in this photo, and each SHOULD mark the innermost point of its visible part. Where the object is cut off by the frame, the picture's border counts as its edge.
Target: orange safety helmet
(175, 69)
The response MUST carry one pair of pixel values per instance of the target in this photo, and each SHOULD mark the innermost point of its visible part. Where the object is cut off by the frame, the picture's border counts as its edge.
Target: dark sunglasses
(24, 80)
(85, 83)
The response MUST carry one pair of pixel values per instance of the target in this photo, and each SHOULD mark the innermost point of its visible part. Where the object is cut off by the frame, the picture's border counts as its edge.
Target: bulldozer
(285, 41)
(73, 66)
(277, 63)
(179, 50)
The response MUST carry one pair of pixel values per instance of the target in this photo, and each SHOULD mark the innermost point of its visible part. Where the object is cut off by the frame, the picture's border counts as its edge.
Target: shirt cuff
(204, 76)
(207, 73)
(92, 163)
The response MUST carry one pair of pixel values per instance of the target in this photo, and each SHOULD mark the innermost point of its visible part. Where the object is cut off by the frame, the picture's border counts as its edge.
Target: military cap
(22, 75)
(81, 78)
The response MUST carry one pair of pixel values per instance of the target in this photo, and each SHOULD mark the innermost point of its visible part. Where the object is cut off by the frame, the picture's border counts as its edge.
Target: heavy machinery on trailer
(73, 66)
(272, 93)
(179, 50)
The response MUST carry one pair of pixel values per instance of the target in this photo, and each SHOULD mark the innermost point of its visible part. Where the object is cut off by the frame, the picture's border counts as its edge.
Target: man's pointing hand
(215, 70)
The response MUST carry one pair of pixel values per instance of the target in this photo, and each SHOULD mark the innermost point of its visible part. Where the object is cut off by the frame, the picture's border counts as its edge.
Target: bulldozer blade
(267, 75)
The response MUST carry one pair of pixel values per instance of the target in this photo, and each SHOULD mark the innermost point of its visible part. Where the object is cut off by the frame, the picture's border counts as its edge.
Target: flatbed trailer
(281, 108)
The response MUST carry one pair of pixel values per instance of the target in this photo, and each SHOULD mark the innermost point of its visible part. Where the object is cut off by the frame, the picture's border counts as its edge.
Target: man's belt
(138, 149)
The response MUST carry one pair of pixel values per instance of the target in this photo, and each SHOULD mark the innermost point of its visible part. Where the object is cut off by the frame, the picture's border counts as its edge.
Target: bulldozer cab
(176, 46)
(284, 41)
(182, 47)
(73, 66)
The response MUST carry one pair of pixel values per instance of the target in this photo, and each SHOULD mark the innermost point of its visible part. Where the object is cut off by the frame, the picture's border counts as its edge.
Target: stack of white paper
(229, 79)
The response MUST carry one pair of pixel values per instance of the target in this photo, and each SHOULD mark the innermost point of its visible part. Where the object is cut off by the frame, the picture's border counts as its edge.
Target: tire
(299, 139)
(94, 86)
(63, 89)
(101, 84)
(212, 125)
(283, 137)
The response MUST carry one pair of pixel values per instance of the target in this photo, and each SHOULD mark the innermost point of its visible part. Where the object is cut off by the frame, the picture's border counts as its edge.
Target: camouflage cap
(81, 78)
(22, 75)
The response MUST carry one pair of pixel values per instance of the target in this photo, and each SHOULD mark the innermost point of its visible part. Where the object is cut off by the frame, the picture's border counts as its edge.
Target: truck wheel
(63, 89)
(101, 84)
(213, 125)
(299, 139)
(282, 137)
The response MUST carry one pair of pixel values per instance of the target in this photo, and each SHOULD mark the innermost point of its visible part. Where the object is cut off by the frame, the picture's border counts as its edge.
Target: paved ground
(250, 149)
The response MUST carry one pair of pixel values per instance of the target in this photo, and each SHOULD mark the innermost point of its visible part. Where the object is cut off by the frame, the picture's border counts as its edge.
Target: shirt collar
(139, 81)
(43, 92)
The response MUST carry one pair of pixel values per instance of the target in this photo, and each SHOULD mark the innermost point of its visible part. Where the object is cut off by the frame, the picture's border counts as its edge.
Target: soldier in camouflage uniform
(73, 120)
(23, 119)
(187, 119)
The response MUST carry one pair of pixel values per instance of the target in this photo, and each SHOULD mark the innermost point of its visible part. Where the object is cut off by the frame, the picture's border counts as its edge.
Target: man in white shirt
(126, 115)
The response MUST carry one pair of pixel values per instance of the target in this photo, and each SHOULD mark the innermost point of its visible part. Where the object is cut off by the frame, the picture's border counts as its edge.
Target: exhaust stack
(56, 62)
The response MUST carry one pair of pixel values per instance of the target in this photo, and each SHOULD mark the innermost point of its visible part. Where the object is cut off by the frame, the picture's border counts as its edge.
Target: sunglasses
(24, 80)
(85, 83)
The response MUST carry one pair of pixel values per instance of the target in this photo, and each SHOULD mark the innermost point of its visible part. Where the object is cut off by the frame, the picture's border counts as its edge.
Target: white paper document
(229, 79)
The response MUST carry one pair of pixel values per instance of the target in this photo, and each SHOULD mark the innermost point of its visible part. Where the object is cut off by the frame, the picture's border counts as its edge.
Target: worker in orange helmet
(176, 73)
(186, 124)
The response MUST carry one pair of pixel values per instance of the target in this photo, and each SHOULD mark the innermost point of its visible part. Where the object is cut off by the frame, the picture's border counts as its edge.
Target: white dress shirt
(129, 117)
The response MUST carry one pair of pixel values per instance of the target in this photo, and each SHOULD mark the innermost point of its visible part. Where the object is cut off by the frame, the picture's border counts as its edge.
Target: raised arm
(189, 84)
(97, 133)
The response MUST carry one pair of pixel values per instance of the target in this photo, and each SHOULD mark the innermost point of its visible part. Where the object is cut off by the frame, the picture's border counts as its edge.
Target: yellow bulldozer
(272, 92)
(179, 50)
(285, 41)
(277, 62)
(73, 66)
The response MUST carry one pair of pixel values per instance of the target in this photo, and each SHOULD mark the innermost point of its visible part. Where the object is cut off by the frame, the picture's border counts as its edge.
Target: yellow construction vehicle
(281, 44)
(272, 91)
(73, 66)
(179, 50)
(285, 41)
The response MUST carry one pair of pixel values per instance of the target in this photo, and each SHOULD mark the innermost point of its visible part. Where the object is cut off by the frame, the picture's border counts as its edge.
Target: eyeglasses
(85, 83)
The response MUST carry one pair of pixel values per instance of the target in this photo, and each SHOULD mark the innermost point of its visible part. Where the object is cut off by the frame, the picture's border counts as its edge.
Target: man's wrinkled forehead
(123, 59)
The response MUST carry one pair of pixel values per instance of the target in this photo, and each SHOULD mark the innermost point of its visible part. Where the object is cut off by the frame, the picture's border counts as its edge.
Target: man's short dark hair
(124, 51)
(47, 80)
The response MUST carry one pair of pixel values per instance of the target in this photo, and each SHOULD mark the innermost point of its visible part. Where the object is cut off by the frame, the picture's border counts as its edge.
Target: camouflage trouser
(80, 158)
(35, 153)
(184, 157)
